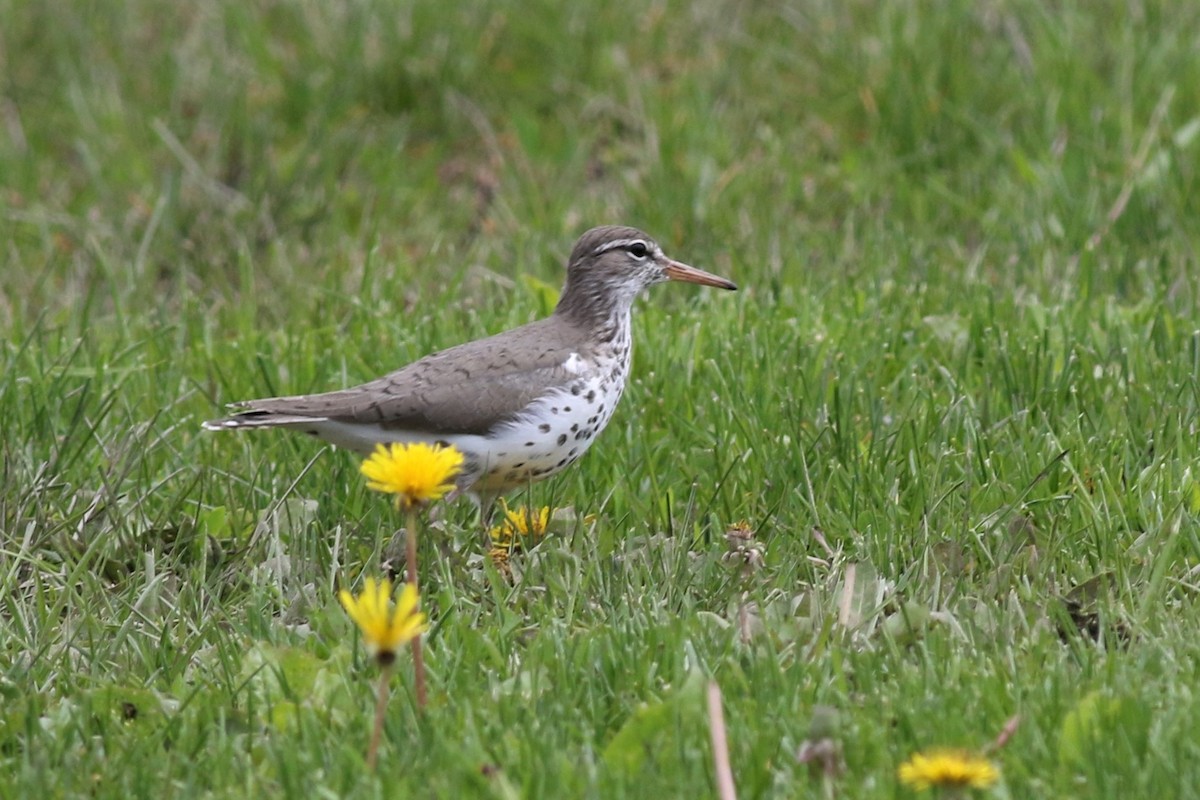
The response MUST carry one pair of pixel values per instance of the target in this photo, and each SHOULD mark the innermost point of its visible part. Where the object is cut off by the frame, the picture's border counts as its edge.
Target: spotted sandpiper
(520, 405)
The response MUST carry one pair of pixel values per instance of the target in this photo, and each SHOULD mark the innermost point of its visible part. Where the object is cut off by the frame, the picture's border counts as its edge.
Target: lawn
(929, 479)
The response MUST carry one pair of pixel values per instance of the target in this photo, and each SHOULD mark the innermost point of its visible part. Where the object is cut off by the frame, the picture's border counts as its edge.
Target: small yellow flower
(523, 523)
(416, 473)
(948, 768)
(385, 632)
(518, 525)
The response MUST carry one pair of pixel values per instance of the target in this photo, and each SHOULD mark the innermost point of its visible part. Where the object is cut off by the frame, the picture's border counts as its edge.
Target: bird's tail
(259, 419)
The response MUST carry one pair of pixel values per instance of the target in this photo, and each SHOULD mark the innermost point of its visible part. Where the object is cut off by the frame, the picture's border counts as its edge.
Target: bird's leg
(487, 510)
(485, 504)
(462, 485)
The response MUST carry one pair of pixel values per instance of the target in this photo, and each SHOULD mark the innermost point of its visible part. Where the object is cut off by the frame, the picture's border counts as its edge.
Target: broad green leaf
(652, 723)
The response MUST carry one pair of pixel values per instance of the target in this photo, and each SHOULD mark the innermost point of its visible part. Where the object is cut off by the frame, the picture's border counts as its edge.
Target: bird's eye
(639, 250)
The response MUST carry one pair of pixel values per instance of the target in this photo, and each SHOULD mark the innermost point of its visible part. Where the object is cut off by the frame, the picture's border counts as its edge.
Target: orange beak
(678, 271)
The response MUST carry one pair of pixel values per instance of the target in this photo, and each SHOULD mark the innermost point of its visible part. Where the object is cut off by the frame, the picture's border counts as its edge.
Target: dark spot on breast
(544, 427)
(518, 465)
(554, 410)
(567, 409)
(562, 439)
(575, 390)
(574, 450)
(601, 408)
(591, 396)
(561, 463)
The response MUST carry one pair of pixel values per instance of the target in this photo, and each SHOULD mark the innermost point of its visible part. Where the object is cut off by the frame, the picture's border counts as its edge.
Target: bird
(521, 405)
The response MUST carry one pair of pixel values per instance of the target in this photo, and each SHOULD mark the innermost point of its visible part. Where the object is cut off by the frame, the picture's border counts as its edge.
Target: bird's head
(611, 265)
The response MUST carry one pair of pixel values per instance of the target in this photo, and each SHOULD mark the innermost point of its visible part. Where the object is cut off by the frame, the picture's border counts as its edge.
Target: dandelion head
(415, 473)
(385, 629)
(948, 768)
(519, 524)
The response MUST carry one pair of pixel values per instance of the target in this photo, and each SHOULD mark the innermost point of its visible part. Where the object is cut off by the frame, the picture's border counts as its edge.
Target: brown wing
(465, 389)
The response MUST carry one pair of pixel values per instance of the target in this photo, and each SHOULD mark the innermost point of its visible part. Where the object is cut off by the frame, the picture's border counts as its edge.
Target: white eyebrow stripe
(614, 244)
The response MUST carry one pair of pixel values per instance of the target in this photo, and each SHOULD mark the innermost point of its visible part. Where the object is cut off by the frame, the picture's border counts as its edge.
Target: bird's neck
(606, 325)
(597, 306)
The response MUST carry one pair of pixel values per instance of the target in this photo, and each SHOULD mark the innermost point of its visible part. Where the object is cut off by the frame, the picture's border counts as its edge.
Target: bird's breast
(553, 431)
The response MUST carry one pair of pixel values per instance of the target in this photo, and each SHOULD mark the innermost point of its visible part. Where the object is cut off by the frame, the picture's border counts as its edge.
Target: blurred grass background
(964, 358)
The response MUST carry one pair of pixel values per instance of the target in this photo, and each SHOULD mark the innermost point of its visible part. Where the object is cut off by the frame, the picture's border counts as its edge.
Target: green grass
(964, 357)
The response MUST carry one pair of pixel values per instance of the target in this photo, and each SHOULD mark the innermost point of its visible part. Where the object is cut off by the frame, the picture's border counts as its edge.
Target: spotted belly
(548, 437)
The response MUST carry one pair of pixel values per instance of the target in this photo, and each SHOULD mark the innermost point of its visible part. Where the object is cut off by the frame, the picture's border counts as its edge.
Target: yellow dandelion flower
(385, 632)
(948, 768)
(416, 473)
(518, 524)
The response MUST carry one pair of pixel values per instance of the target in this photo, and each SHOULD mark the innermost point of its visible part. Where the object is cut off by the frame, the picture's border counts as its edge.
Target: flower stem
(410, 566)
(720, 744)
(385, 674)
